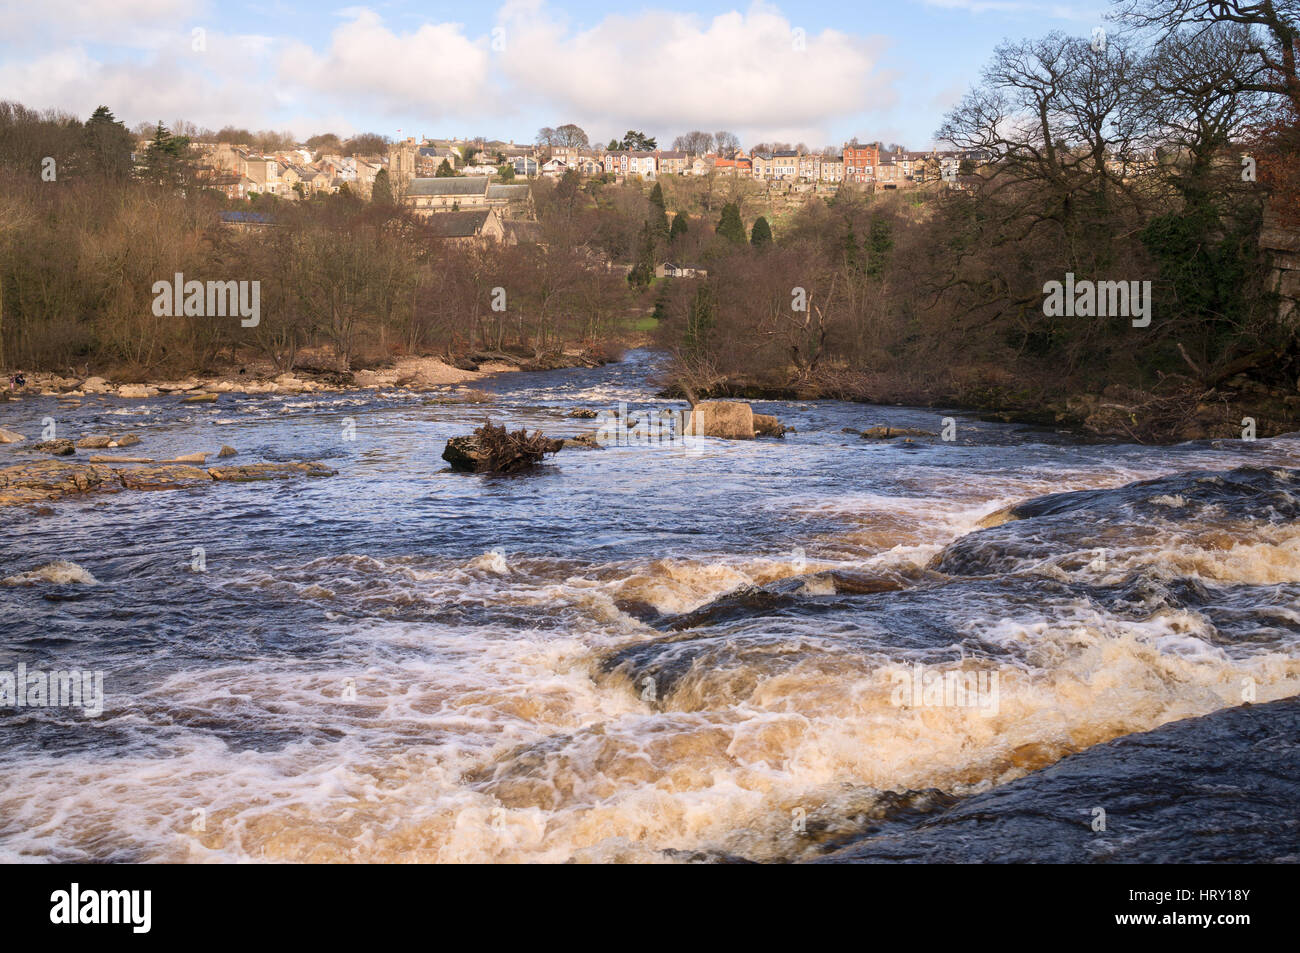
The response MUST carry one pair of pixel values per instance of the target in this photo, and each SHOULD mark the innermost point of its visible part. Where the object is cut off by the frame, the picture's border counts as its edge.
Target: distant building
(447, 194)
(477, 226)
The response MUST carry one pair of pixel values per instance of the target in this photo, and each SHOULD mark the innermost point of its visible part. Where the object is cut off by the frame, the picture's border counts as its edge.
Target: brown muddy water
(737, 650)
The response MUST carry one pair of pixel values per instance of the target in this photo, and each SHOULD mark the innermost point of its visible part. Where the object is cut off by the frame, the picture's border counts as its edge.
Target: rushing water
(639, 653)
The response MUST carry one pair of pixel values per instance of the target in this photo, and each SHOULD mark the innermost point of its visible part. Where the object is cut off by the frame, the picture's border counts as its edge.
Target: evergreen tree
(730, 226)
(108, 145)
(445, 171)
(679, 227)
(164, 159)
(658, 214)
(761, 234)
(507, 172)
(381, 193)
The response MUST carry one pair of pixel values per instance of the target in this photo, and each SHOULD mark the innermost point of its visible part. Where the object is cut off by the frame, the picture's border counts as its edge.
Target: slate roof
(511, 193)
(459, 185)
(458, 224)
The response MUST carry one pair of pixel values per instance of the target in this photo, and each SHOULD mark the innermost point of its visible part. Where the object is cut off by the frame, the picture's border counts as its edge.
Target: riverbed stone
(163, 476)
(251, 472)
(59, 448)
(10, 436)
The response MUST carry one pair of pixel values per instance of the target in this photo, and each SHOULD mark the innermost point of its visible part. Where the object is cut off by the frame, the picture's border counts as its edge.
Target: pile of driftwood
(492, 449)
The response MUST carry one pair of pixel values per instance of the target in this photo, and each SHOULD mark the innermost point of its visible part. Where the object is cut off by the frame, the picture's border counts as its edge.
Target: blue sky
(818, 74)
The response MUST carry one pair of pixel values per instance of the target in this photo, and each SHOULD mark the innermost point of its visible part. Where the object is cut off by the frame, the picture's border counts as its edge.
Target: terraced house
(627, 162)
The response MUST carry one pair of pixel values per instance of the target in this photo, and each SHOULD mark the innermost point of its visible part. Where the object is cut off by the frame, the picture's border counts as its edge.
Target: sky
(818, 74)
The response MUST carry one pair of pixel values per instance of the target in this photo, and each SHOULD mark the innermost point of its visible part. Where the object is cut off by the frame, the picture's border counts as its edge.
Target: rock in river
(721, 418)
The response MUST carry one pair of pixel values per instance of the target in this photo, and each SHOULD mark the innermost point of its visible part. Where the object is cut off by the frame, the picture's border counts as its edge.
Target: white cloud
(670, 72)
(435, 69)
(661, 71)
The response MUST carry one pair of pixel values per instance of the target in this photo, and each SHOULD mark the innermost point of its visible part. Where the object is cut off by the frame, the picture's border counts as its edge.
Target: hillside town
(412, 164)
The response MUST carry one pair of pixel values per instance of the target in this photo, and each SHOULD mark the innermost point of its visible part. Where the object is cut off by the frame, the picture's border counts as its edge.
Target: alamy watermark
(57, 689)
(212, 299)
(924, 687)
(1098, 299)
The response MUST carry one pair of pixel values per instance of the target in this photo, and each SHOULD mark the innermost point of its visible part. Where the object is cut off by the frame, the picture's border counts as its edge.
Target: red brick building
(860, 162)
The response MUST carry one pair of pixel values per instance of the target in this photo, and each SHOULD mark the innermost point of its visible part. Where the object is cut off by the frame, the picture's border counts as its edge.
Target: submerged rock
(889, 433)
(251, 472)
(59, 448)
(163, 476)
(52, 479)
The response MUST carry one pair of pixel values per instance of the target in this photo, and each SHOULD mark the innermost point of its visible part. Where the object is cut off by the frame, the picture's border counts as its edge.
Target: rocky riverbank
(408, 373)
(1231, 409)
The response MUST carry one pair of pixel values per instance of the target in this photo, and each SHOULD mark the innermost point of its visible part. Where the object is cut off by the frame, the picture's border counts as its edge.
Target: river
(716, 652)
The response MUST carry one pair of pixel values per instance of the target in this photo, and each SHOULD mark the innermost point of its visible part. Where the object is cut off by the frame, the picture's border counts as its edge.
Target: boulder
(124, 440)
(765, 425)
(10, 436)
(59, 448)
(94, 442)
(95, 385)
(199, 399)
(721, 418)
(135, 391)
(251, 472)
(226, 451)
(582, 413)
(189, 458)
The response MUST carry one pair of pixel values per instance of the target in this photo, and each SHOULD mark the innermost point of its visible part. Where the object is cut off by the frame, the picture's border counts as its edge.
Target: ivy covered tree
(880, 242)
(643, 272)
(381, 193)
(658, 213)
